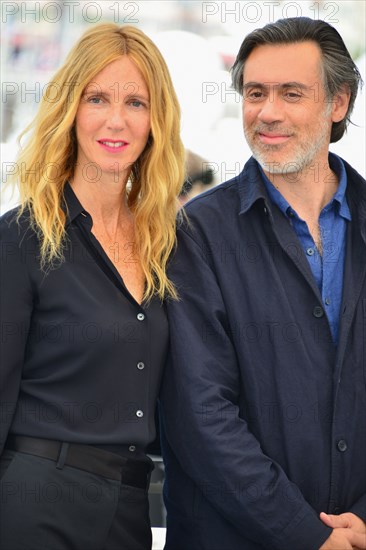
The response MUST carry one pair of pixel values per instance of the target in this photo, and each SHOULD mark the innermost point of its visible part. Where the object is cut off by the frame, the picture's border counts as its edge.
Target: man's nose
(272, 109)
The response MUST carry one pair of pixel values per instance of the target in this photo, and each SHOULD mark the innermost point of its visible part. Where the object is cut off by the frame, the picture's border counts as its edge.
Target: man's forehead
(281, 63)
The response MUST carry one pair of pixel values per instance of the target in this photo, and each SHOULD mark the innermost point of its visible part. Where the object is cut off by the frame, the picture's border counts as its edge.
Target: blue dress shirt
(327, 267)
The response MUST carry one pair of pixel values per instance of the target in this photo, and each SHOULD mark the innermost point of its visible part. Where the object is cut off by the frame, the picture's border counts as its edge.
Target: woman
(84, 276)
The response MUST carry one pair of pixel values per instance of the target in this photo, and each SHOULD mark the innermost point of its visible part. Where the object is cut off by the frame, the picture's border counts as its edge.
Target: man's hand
(344, 539)
(349, 532)
(347, 520)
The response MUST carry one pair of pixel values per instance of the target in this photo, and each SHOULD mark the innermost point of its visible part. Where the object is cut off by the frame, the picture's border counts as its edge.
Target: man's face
(287, 116)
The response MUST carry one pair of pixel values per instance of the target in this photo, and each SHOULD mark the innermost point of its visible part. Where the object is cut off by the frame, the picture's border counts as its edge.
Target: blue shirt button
(310, 251)
(327, 301)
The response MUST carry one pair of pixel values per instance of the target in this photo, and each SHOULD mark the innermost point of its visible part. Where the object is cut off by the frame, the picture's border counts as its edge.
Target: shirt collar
(337, 165)
(339, 197)
(72, 206)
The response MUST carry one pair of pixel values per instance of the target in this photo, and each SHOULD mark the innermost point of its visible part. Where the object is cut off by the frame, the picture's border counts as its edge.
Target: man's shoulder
(208, 213)
(356, 190)
(225, 191)
(353, 174)
(225, 198)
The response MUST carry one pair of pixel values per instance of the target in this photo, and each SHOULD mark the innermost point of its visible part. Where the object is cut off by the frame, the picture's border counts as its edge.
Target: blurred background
(199, 41)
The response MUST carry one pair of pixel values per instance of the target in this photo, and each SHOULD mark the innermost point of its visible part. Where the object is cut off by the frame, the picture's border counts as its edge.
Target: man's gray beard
(303, 158)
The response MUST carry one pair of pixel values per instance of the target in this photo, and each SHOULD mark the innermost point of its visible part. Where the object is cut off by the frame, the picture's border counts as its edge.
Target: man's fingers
(334, 521)
(358, 540)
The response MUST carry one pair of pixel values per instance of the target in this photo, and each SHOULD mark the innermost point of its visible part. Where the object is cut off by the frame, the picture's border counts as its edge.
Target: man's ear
(340, 103)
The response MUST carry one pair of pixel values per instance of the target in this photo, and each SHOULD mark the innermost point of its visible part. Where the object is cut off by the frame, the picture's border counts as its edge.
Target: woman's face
(113, 121)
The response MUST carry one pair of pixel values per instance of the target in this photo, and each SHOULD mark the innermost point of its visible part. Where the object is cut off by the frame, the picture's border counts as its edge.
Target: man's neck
(308, 191)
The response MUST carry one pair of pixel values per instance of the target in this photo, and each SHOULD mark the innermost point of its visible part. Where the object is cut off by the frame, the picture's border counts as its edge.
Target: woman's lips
(112, 146)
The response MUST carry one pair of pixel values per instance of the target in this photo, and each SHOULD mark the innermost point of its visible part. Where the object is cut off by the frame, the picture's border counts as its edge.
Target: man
(264, 400)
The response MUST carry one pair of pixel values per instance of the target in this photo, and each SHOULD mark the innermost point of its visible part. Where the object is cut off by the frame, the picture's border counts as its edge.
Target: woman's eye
(136, 103)
(94, 99)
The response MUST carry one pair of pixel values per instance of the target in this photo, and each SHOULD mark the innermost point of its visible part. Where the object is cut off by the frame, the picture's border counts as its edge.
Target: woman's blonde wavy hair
(48, 160)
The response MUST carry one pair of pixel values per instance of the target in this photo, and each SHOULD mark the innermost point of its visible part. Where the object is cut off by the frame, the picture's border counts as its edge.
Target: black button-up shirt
(81, 360)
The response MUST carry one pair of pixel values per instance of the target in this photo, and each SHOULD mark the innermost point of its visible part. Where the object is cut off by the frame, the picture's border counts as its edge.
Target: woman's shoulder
(15, 226)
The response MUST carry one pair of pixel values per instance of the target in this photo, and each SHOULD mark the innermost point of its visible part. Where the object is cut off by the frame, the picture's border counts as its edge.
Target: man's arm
(205, 428)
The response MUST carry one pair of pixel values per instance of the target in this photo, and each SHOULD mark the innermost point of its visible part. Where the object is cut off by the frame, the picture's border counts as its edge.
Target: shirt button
(140, 365)
(140, 414)
(132, 448)
(310, 251)
(318, 312)
(140, 316)
(327, 301)
(342, 445)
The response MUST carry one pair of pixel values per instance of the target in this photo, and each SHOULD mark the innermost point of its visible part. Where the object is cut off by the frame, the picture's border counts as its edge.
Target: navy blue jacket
(264, 418)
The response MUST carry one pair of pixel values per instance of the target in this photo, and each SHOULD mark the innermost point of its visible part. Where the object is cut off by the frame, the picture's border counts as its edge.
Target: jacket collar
(356, 193)
(251, 186)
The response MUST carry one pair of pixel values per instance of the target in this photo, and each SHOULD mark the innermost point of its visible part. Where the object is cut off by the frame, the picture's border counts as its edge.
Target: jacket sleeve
(15, 312)
(203, 424)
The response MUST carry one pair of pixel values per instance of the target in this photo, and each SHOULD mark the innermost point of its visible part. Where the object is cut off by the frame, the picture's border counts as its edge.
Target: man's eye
(253, 96)
(293, 96)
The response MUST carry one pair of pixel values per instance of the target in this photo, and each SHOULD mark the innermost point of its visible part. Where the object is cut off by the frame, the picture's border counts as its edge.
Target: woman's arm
(16, 303)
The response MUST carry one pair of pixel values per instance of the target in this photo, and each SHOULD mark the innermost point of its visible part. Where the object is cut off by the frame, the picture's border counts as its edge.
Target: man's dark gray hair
(338, 68)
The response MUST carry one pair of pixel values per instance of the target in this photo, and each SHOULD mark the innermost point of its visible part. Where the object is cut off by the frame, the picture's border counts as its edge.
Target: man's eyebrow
(266, 85)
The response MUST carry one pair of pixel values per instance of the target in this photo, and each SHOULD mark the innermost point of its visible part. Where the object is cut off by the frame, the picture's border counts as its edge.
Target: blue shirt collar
(339, 197)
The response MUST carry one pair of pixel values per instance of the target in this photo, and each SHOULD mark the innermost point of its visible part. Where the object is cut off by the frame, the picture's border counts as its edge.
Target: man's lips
(274, 139)
(113, 145)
